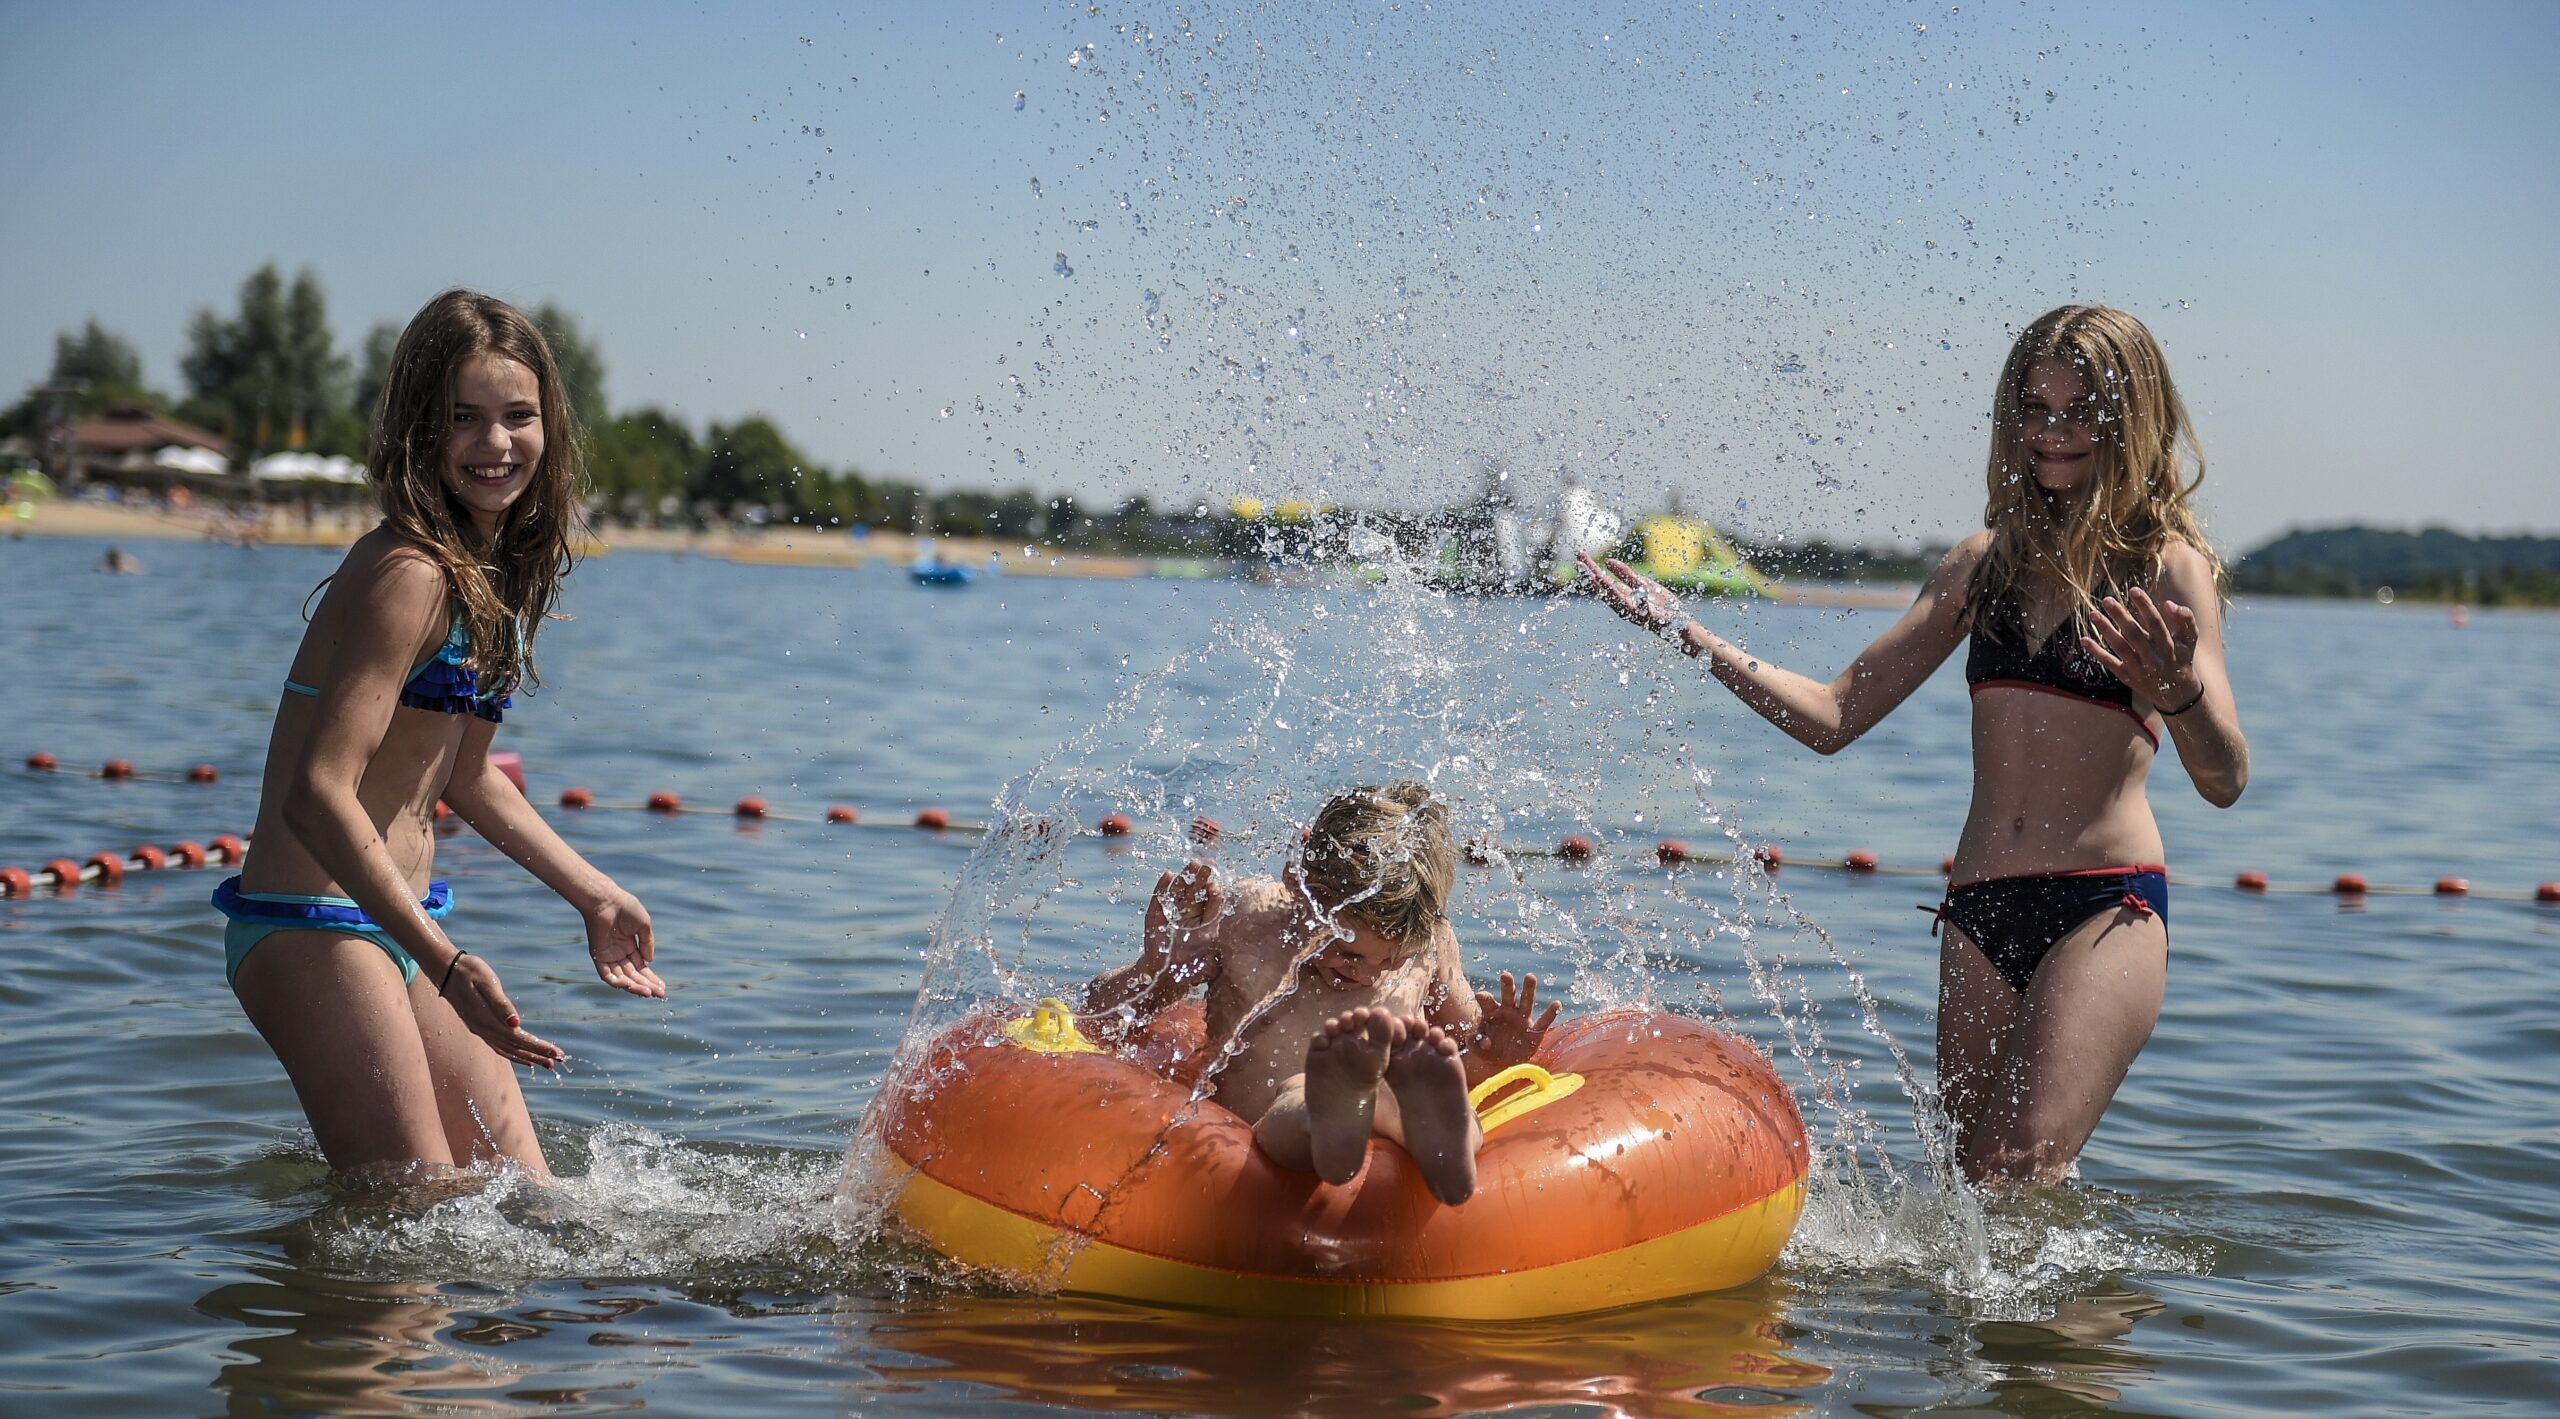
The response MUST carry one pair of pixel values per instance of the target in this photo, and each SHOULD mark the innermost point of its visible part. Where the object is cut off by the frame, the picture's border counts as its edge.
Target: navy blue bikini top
(443, 683)
(2000, 657)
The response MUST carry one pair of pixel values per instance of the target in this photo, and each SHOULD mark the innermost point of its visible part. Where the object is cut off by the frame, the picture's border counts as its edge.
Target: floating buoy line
(63, 875)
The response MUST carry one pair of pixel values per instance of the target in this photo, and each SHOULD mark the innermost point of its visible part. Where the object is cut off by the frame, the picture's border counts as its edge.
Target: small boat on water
(930, 569)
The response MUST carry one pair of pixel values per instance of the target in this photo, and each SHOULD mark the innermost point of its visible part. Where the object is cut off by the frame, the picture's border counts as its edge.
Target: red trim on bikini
(2043, 689)
(2073, 872)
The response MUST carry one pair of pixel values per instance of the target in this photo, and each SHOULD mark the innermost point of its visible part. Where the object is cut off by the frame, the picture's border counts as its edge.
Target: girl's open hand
(2150, 645)
(1182, 922)
(471, 988)
(1633, 595)
(620, 940)
(1507, 1030)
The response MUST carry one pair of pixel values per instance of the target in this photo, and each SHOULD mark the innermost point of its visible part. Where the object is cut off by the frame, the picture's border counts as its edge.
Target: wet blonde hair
(1385, 856)
(2145, 469)
(505, 590)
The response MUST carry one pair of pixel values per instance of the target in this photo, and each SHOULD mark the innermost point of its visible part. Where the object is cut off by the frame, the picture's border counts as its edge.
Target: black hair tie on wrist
(458, 954)
(2182, 709)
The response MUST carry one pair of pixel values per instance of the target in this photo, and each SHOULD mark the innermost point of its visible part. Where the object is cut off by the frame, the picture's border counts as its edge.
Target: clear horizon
(1764, 258)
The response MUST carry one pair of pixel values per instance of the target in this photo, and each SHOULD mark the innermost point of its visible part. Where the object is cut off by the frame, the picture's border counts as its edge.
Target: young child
(1352, 950)
(398, 1041)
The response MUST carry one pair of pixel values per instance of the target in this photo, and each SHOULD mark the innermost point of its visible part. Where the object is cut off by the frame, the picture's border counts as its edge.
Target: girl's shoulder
(385, 576)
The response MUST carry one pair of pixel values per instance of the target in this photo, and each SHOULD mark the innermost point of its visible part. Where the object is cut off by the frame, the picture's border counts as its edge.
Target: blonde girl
(2090, 607)
(397, 1040)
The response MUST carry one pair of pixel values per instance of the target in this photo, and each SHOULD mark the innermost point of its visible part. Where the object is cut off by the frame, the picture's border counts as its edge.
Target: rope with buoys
(62, 876)
(1574, 848)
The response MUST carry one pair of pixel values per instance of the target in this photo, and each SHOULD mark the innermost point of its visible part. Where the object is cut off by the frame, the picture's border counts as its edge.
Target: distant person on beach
(396, 1039)
(2091, 609)
(1371, 1027)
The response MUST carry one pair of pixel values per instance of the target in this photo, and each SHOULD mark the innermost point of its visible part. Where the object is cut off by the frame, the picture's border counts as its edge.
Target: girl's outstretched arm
(2168, 647)
(373, 624)
(1825, 717)
(619, 936)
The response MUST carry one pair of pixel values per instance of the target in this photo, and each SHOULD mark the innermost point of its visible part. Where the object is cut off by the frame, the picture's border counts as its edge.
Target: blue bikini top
(443, 683)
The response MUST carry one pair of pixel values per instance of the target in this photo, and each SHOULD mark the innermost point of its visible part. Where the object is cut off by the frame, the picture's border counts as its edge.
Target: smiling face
(2059, 420)
(493, 437)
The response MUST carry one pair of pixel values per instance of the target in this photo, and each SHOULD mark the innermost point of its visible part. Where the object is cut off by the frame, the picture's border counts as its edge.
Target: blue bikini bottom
(255, 916)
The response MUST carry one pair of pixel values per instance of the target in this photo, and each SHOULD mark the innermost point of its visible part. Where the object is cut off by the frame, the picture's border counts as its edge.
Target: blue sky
(1763, 258)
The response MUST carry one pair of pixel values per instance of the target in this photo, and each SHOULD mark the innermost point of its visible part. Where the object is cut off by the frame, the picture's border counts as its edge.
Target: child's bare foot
(1440, 1130)
(1344, 1063)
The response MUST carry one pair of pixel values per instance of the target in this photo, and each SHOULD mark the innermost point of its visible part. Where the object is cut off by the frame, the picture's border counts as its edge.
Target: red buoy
(110, 868)
(2350, 884)
(189, 854)
(934, 818)
(842, 814)
(42, 762)
(1671, 852)
(576, 798)
(14, 882)
(66, 875)
(1770, 856)
(441, 811)
(2547, 892)
(116, 768)
(1576, 848)
(665, 801)
(2250, 881)
(750, 807)
(228, 848)
(149, 858)
(2453, 886)
(203, 773)
(1114, 825)
(1860, 861)
(1946, 867)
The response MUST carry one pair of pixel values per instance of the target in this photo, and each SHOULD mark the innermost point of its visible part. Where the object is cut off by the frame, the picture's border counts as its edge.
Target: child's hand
(1634, 596)
(470, 986)
(1506, 1030)
(2150, 645)
(620, 940)
(1182, 922)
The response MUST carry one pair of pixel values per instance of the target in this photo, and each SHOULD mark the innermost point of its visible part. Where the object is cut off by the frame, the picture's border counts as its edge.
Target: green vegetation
(2436, 564)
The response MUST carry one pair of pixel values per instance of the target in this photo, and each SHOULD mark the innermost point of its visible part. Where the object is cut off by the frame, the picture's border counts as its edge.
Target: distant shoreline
(788, 545)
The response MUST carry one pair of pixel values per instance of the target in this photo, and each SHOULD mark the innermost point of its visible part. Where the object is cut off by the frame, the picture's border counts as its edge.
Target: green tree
(637, 459)
(373, 369)
(750, 463)
(95, 357)
(271, 374)
(581, 367)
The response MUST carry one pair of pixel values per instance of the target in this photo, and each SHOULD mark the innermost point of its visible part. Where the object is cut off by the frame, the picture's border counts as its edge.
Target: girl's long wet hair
(2145, 469)
(505, 589)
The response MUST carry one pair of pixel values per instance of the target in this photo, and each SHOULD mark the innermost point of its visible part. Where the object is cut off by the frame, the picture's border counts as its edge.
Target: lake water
(2328, 1185)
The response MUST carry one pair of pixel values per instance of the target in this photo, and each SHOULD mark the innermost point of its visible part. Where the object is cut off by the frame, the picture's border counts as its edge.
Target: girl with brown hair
(397, 1040)
(2091, 607)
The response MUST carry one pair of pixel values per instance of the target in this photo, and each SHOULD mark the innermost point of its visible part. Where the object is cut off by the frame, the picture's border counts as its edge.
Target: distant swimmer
(2091, 608)
(398, 1041)
(1341, 990)
(119, 562)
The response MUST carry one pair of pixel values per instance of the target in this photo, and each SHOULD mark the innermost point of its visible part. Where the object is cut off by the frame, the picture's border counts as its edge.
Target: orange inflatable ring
(1640, 1156)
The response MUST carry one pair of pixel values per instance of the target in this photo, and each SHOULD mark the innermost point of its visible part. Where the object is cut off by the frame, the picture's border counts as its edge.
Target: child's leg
(333, 1009)
(483, 1111)
(1426, 1110)
(1321, 1122)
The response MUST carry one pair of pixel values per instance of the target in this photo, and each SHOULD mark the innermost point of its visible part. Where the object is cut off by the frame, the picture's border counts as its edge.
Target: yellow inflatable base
(1712, 1256)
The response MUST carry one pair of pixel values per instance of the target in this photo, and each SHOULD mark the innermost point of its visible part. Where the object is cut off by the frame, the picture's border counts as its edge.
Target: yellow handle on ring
(1544, 1089)
(1050, 1029)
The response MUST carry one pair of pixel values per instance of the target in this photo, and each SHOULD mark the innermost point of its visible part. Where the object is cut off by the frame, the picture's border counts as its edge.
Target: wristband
(2182, 709)
(458, 954)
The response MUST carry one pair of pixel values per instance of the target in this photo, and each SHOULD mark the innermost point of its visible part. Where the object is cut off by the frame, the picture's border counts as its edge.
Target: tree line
(269, 375)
